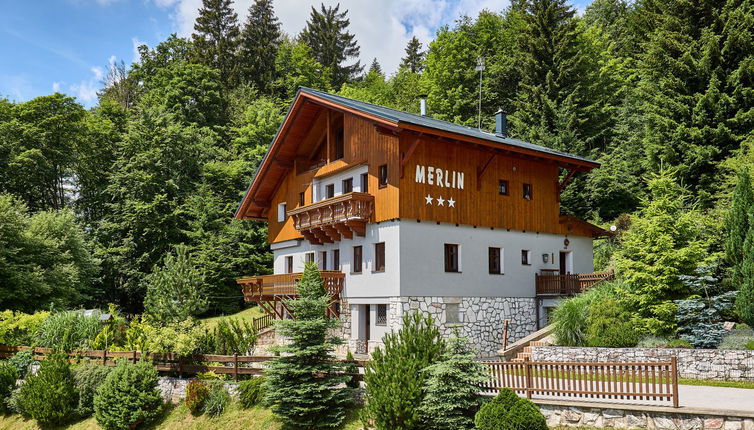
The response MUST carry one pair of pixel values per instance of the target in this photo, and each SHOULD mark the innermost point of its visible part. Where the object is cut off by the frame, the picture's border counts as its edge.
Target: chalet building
(403, 211)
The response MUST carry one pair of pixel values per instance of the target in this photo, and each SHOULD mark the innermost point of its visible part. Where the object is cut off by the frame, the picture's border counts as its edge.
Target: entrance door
(367, 320)
(566, 262)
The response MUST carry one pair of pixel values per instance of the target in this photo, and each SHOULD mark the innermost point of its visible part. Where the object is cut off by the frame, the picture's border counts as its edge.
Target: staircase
(521, 349)
(525, 354)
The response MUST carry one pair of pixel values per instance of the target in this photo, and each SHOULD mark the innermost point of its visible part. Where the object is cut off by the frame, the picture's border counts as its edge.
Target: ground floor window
(451, 257)
(381, 315)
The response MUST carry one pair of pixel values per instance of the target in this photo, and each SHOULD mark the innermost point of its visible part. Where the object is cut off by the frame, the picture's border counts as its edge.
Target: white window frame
(281, 211)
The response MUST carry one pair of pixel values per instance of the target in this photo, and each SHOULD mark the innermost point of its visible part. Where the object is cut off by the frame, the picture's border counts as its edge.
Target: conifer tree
(745, 296)
(737, 225)
(327, 34)
(414, 59)
(375, 67)
(303, 385)
(215, 39)
(259, 44)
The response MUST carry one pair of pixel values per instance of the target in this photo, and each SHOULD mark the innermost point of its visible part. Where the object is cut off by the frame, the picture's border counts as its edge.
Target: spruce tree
(745, 297)
(215, 39)
(375, 67)
(737, 226)
(304, 385)
(414, 59)
(327, 34)
(259, 44)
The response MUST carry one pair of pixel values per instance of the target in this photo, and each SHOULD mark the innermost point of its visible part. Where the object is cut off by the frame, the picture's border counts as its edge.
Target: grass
(709, 383)
(246, 314)
(178, 417)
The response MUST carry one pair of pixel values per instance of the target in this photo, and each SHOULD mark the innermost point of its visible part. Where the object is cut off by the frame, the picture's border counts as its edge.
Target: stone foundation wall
(174, 389)
(571, 416)
(713, 364)
(479, 318)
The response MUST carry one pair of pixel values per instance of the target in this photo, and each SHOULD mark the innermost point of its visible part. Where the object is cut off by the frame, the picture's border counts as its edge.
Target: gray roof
(398, 116)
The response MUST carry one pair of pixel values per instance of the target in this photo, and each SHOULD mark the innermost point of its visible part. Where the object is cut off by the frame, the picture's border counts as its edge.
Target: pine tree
(215, 39)
(414, 59)
(259, 44)
(327, 34)
(452, 389)
(737, 225)
(745, 297)
(303, 384)
(375, 67)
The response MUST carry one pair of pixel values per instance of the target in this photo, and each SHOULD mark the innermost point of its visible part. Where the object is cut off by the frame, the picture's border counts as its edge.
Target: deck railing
(629, 382)
(286, 284)
(346, 207)
(261, 323)
(570, 283)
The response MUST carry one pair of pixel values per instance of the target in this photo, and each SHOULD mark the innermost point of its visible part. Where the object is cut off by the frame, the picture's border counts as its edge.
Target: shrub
(88, 378)
(452, 389)
(507, 398)
(69, 330)
(652, 342)
(13, 403)
(8, 377)
(490, 416)
(508, 411)
(609, 324)
(233, 336)
(251, 392)
(196, 395)
(738, 338)
(50, 396)
(392, 401)
(679, 343)
(750, 345)
(351, 367)
(128, 397)
(217, 400)
(570, 323)
(22, 360)
(18, 328)
(524, 415)
(700, 319)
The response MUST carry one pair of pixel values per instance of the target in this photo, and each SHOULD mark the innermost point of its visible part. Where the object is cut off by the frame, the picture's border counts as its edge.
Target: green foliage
(414, 59)
(18, 328)
(128, 397)
(197, 393)
(737, 225)
(700, 320)
(302, 384)
(352, 368)
(259, 43)
(508, 411)
(69, 330)
(490, 416)
(251, 392)
(739, 338)
(524, 415)
(392, 402)
(610, 324)
(22, 360)
(217, 399)
(230, 336)
(175, 289)
(50, 396)
(216, 39)
(452, 388)
(88, 377)
(570, 320)
(8, 376)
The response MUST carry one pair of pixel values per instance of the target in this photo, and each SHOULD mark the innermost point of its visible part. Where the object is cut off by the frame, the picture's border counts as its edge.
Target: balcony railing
(329, 220)
(568, 284)
(286, 284)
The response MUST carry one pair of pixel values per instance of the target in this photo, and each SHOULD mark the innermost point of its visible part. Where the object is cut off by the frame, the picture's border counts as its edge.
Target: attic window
(281, 212)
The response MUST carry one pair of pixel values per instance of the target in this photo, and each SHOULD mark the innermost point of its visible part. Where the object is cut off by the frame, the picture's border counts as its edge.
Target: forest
(95, 203)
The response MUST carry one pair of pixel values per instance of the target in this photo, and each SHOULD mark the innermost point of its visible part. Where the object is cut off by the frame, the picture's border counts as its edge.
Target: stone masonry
(714, 364)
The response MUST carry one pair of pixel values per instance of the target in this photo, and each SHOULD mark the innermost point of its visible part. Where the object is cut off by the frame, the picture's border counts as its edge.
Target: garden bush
(233, 336)
(196, 395)
(251, 392)
(69, 330)
(609, 324)
(22, 361)
(737, 338)
(217, 400)
(508, 411)
(8, 377)
(88, 378)
(18, 328)
(128, 397)
(490, 416)
(524, 415)
(351, 367)
(570, 322)
(49, 396)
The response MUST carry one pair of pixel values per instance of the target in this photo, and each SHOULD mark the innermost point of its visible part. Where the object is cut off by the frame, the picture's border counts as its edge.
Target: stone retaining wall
(572, 416)
(711, 364)
(174, 389)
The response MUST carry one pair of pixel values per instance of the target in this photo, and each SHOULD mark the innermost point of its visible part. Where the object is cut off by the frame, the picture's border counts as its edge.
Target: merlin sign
(440, 177)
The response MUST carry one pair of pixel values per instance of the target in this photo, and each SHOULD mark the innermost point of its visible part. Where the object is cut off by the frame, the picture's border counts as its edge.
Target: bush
(737, 339)
(609, 325)
(18, 328)
(22, 361)
(392, 400)
(700, 319)
(128, 397)
(196, 395)
(50, 396)
(652, 342)
(570, 323)
(8, 377)
(217, 400)
(88, 378)
(251, 392)
(69, 330)
(679, 343)
(508, 411)
(351, 367)
(233, 336)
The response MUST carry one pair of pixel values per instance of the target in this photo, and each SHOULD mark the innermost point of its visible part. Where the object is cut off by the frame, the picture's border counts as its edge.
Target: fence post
(527, 377)
(134, 360)
(180, 367)
(505, 335)
(235, 367)
(104, 357)
(674, 369)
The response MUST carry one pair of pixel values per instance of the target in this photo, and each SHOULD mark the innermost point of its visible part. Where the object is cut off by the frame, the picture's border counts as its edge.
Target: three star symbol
(440, 201)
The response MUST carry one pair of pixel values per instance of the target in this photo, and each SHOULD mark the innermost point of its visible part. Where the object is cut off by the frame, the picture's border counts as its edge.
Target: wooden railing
(571, 283)
(229, 364)
(286, 284)
(628, 382)
(261, 323)
(332, 219)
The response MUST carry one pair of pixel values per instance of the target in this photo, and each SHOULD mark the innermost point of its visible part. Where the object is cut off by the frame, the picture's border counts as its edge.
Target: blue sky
(66, 45)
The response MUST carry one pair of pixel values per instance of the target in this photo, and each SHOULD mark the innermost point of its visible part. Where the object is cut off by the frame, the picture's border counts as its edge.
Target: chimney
(501, 123)
(423, 104)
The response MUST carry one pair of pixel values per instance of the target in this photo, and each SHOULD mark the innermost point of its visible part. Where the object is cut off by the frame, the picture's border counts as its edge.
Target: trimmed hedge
(508, 411)
(128, 397)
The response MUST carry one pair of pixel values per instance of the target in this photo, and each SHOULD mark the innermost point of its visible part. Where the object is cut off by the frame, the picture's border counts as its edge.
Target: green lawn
(247, 314)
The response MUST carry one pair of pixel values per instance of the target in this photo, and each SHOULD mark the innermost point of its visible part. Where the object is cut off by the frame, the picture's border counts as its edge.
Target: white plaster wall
(422, 259)
(364, 284)
(318, 185)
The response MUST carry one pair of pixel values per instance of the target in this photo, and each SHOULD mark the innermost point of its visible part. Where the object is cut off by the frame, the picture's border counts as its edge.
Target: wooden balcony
(568, 284)
(270, 291)
(330, 220)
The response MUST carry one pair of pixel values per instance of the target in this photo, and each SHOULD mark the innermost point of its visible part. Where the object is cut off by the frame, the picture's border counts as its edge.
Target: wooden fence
(570, 283)
(261, 323)
(221, 364)
(633, 381)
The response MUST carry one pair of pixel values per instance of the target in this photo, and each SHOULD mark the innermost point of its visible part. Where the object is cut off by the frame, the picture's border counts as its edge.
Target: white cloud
(85, 91)
(382, 28)
(135, 43)
(56, 87)
(98, 72)
(16, 87)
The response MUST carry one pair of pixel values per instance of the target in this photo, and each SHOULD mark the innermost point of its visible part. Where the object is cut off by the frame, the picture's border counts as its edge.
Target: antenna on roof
(480, 68)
